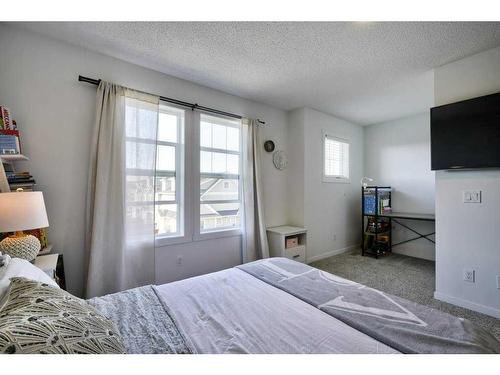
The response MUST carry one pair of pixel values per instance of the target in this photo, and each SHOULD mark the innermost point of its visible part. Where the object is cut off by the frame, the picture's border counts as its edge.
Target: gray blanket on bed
(143, 321)
(404, 325)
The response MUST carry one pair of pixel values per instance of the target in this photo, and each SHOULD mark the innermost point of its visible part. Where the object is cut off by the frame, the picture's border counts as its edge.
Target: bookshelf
(376, 226)
(10, 178)
(8, 159)
(12, 158)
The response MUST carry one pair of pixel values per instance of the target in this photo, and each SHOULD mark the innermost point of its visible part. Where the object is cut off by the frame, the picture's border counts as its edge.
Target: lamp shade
(22, 211)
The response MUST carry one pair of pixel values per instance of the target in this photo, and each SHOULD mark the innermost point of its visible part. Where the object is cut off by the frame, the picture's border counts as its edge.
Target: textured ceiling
(363, 72)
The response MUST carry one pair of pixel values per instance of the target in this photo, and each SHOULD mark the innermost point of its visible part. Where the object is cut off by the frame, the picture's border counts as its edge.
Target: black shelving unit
(376, 217)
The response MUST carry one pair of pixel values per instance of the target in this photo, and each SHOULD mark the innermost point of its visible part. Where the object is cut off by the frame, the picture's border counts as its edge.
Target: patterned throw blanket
(401, 324)
(143, 321)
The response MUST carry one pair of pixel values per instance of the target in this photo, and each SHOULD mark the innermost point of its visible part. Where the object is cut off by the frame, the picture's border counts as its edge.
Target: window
(185, 210)
(335, 159)
(169, 187)
(220, 158)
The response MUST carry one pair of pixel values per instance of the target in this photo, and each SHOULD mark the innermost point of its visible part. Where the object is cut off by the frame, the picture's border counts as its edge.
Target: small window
(335, 159)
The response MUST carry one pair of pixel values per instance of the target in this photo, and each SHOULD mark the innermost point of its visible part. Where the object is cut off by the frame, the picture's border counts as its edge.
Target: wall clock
(269, 146)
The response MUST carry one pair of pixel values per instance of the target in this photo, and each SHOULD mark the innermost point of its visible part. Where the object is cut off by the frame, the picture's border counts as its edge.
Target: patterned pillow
(38, 318)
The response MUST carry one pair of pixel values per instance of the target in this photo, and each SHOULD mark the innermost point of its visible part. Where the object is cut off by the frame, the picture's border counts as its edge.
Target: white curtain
(255, 244)
(120, 200)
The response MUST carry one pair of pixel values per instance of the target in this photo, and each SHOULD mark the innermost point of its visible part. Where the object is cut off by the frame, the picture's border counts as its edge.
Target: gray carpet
(403, 276)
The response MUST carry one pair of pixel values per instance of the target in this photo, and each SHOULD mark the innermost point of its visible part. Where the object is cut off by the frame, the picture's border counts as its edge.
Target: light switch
(471, 196)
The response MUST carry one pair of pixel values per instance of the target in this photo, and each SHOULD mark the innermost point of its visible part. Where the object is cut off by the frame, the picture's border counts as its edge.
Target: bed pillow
(17, 267)
(37, 318)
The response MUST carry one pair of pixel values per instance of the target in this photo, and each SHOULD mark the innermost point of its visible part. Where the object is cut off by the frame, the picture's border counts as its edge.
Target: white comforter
(232, 312)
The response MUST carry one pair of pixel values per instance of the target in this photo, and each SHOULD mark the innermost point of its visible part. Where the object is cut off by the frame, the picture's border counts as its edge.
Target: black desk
(410, 216)
(394, 216)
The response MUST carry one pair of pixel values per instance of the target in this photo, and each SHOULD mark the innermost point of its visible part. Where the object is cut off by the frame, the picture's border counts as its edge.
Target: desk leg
(390, 234)
(362, 235)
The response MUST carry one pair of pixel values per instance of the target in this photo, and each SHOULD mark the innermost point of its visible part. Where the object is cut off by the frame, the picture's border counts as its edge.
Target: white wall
(295, 171)
(330, 211)
(467, 234)
(55, 113)
(397, 154)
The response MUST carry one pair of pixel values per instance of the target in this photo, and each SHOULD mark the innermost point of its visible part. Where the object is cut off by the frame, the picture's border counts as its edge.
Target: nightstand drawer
(297, 253)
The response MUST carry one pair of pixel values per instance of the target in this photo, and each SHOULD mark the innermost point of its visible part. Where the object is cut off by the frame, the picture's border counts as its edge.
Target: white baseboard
(331, 253)
(491, 311)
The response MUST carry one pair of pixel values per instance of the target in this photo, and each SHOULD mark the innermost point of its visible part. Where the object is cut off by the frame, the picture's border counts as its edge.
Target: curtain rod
(193, 106)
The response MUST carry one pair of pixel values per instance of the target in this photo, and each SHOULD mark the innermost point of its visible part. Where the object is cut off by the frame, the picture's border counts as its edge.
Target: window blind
(336, 158)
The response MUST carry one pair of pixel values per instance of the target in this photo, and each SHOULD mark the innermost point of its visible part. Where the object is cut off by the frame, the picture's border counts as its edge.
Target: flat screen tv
(466, 135)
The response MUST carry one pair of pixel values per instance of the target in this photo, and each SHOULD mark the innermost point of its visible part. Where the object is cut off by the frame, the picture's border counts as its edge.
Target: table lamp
(22, 211)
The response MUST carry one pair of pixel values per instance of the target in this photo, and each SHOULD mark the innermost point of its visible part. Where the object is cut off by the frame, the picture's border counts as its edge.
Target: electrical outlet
(498, 282)
(179, 260)
(335, 237)
(469, 275)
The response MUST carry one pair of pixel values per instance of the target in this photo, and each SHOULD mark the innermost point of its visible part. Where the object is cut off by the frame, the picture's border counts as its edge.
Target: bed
(280, 306)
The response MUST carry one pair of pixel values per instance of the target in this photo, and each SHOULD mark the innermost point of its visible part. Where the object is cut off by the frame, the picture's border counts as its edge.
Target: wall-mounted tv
(466, 134)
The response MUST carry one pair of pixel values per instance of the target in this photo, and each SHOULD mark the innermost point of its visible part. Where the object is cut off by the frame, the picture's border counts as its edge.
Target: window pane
(140, 122)
(206, 184)
(166, 219)
(206, 162)
(167, 127)
(336, 158)
(169, 180)
(138, 216)
(219, 136)
(217, 189)
(139, 155)
(233, 139)
(166, 158)
(219, 216)
(205, 134)
(139, 189)
(233, 164)
(224, 135)
(219, 163)
(165, 189)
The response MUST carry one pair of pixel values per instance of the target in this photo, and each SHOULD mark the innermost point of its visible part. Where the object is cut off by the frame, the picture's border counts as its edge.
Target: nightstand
(288, 242)
(52, 265)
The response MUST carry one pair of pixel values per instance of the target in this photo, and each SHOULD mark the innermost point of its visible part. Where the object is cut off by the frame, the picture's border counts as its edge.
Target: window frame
(336, 178)
(191, 188)
(183, 233)
(200, 235)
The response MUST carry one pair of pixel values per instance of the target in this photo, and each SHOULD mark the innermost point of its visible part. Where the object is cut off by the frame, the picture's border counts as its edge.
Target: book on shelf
(10, 132)
(13, 173)
(369, 204)
(9, 144)
(20, 179)
(5, 120)
(380, 204)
